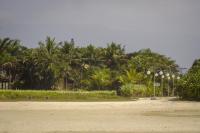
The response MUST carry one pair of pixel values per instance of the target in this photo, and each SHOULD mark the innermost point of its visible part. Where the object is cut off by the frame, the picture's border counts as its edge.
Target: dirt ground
(141, 116)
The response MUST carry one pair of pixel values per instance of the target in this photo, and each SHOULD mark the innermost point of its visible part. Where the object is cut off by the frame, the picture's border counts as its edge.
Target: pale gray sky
(170, 27)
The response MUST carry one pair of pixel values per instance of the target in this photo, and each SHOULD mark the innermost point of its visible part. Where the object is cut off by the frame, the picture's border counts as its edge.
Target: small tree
(130, 76)
(100, 79)
(189, 85)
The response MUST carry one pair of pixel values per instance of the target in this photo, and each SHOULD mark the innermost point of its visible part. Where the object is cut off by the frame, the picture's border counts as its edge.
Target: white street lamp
(178, 77)
(161, 72)
(148, 72)
(167, 74)
(156, 74)
(86, 66)
(83, 66)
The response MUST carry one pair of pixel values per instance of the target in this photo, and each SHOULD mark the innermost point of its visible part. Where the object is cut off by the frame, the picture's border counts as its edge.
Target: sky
(170, 27)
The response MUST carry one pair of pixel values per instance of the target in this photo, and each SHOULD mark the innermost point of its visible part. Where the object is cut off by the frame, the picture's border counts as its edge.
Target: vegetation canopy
(63, 65)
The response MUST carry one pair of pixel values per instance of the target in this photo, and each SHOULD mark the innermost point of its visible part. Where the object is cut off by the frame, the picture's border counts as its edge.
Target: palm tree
(9, 50)
(4, 44)
(67, 54)
(113, 54)
(47, 56)
(101, 78)
(130, 76)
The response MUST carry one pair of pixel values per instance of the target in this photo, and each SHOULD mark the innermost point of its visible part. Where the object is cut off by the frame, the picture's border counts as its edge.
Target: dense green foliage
(64, 66)
(134, 90)
(189, 85)
(146, 59)
(99, 79)
(127, 90)
(57, 95)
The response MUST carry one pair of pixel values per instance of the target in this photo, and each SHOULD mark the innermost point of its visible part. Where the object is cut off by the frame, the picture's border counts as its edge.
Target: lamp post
(173, 76)
(168, 78)
(148, 73)
(178, 78)
(161, 74)
(154, 78)
(83, 66)
(154, 84)
(162, 77)
(168, 84)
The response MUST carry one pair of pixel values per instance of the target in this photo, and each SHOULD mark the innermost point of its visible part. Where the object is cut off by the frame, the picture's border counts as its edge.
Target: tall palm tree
(67, 54)
(9, 50)
(113, 54)
(48, 60)
(4, 44)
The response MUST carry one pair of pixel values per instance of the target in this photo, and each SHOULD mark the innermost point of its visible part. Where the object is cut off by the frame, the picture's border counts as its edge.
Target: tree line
(64, 65)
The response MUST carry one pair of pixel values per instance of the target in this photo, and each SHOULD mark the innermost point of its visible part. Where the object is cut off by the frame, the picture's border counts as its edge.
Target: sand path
(142, 116)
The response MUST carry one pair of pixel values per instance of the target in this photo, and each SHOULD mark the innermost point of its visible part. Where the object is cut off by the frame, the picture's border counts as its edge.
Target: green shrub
(189, 85)
(140, 90)
(56, 95)
(100, 79)
(130, 76)
(136, 90)
(127, 90)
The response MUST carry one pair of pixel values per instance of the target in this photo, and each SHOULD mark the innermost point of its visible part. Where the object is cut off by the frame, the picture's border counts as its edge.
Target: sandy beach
(141, 116)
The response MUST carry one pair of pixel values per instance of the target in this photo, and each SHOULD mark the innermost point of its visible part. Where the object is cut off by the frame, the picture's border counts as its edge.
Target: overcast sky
(170, 27)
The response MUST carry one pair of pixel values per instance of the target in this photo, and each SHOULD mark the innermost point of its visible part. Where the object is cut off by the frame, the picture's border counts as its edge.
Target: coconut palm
(9, 52)
(113, 54)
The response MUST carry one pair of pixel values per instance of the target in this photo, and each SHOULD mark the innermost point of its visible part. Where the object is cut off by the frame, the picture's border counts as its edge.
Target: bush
(100, 79)
(140, 90)
(189, 85)
(56, 95)
(127, 90)
(136, 90)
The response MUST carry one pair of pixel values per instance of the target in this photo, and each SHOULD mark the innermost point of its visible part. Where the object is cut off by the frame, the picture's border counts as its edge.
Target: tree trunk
(9, 82)
(65, 82)
(2, 85)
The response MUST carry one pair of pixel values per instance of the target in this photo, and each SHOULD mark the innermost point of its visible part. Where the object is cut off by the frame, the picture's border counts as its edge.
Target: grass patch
(42, 95)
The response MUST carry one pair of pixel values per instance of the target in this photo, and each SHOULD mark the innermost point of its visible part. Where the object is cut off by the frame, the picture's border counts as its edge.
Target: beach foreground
(141, 116)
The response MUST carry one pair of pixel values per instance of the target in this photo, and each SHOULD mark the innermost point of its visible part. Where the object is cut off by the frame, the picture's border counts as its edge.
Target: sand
(141, 116)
